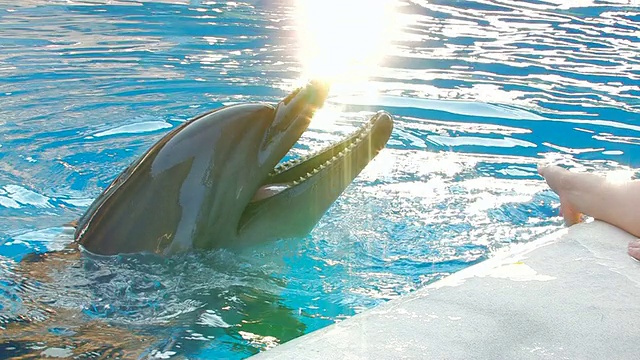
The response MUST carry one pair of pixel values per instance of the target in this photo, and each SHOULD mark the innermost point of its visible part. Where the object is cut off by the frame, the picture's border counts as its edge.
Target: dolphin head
(256, 147)
(213, 181)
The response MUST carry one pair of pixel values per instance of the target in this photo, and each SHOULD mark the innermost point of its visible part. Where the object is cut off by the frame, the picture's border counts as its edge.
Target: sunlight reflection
(325, 117)
(343, 42)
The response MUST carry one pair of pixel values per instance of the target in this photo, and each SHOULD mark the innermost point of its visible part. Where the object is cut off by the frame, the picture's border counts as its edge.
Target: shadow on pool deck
(573, 295)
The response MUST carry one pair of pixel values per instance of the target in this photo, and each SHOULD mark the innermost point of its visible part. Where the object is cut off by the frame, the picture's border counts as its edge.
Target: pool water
(481, 92)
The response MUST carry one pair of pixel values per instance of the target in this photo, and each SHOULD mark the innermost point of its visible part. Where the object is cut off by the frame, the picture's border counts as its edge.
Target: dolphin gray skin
(211, 182)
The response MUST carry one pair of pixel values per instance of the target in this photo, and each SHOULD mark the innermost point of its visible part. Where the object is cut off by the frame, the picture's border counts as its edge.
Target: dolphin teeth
(354, 139)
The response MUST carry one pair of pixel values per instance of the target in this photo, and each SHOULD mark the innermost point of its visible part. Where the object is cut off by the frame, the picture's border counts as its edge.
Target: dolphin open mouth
(292, 197)
(346, 157)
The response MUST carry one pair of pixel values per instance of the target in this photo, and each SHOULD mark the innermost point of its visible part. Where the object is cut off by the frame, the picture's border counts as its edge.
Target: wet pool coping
(574, 294)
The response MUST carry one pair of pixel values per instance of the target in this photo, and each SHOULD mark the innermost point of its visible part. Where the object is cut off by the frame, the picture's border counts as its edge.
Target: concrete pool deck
(571, 295)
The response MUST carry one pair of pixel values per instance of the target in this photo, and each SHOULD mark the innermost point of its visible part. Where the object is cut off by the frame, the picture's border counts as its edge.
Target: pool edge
(571, 294)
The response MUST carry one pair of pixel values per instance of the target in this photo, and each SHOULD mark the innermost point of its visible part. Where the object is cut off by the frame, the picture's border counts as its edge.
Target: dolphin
(217, 180)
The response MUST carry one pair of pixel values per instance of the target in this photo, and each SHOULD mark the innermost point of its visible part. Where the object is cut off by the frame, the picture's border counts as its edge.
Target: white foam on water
(210, 318)
(18, 195)
(137, 128)
(55, 238)
(505, 142)
(8, 202)
(57, 352)
(80, 202)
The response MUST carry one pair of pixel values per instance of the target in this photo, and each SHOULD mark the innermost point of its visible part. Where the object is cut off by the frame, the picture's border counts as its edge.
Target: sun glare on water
(344, 42)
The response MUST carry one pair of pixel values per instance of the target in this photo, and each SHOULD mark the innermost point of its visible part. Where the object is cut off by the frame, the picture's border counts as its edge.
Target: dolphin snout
(300, 105)
(317, 92)
(382, 128)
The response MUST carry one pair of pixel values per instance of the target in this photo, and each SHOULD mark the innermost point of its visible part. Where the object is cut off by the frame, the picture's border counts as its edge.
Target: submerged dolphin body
(211, 182)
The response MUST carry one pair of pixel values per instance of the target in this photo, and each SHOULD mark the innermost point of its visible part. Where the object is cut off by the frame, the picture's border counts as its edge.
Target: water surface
(481, 91)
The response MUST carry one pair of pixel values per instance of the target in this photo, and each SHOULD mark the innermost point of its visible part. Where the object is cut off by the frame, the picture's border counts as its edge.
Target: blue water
(482, 91)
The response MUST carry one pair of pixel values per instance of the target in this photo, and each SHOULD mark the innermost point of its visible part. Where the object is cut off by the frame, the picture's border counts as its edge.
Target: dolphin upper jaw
(291, 118)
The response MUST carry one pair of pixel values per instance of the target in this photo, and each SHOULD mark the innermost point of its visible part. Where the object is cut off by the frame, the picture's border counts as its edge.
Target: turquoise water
(481, 92)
